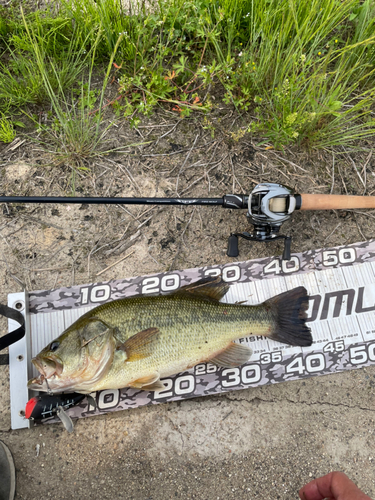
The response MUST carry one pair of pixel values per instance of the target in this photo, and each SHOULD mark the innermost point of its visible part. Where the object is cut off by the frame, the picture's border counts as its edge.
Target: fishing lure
(54, 405)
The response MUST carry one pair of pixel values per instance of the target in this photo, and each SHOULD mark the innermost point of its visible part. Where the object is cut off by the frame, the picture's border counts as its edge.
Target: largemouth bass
(134, 342)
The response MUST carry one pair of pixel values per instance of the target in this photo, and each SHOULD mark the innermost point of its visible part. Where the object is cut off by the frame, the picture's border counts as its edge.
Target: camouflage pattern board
(341, 285)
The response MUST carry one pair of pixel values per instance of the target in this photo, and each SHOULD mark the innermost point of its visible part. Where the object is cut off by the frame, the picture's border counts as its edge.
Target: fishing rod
(268, 206)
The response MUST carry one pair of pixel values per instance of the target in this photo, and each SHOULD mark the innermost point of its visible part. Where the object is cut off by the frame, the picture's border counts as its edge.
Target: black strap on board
(14, 336)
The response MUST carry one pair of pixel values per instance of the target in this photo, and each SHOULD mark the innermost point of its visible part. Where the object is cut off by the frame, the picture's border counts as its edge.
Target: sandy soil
(260, 443)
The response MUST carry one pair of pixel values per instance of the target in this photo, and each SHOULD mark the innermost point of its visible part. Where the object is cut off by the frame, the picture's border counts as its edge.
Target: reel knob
(287, 245)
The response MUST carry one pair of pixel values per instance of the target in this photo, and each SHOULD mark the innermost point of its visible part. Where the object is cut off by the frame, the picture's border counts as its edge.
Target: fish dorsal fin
(140, 345)
(233, 355)
(207, 288)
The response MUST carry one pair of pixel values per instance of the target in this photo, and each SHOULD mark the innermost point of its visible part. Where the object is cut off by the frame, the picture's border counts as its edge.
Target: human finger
(335, 485)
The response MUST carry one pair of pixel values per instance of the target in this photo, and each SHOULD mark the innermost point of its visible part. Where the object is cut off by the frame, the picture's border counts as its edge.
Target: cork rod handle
(335, 201)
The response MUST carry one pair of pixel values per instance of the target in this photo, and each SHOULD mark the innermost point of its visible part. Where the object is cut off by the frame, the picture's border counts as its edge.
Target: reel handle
(232, 250)
(335, 201)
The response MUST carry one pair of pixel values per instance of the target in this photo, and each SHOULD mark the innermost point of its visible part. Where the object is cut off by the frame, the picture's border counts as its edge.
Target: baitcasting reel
(269, 205)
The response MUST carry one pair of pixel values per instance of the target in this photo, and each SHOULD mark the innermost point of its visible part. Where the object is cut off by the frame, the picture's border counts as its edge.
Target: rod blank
(111, 201)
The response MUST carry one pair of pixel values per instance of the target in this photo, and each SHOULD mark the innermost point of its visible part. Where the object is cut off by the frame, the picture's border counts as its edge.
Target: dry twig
(115, 263)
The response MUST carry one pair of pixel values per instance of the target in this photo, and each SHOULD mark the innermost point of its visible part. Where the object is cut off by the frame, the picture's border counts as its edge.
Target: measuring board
(340, 282)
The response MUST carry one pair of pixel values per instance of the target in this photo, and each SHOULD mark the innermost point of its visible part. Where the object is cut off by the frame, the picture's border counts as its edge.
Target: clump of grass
(64, 58)
(76, 133)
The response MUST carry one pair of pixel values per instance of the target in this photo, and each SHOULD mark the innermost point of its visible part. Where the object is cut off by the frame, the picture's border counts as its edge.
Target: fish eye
(54, 346)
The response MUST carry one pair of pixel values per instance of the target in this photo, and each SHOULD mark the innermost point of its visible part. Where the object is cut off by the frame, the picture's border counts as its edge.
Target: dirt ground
(257, 443)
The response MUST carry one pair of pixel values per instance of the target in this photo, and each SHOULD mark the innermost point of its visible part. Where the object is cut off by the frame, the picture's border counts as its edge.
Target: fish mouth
(38, 384)
(41, 384)
(48, 366)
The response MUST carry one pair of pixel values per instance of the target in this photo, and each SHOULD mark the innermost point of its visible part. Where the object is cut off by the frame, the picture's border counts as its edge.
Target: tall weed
(302, 65)
(64, 54)
(76, 133)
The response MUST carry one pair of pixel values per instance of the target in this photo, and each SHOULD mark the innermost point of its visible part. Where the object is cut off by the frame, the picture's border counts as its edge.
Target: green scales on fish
(135, 342)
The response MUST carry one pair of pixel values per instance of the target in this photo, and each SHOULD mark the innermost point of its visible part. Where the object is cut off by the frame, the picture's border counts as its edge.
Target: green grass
(76, 134)
(7, 132)
(298, 71)
(64, 53)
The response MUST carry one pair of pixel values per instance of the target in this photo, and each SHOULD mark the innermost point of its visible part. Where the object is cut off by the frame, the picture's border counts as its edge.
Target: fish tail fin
(289, 312)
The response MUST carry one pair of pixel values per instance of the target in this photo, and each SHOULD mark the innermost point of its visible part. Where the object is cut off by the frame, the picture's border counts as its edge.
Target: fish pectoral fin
(233, 355)
(149, 383)
(141, 345)
(156, 386)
